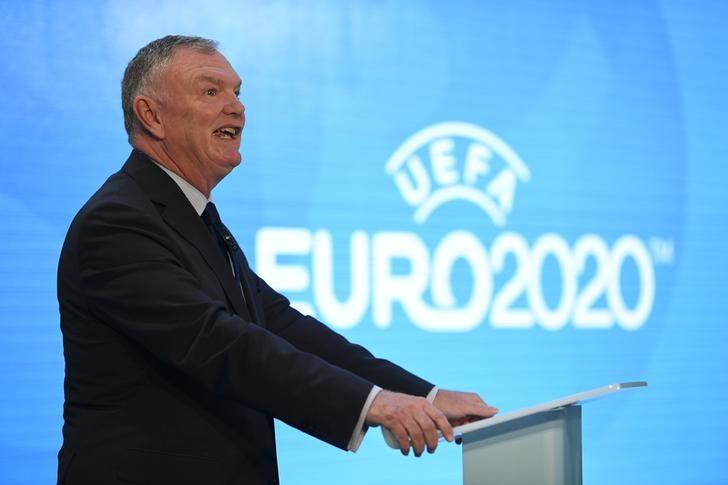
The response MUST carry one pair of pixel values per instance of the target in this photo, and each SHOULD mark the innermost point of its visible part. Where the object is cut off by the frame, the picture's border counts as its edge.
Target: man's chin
(236, 161)
(229, 163)
(231, 160)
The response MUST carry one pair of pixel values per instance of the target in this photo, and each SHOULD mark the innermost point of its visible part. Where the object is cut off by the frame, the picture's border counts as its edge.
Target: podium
(539, 445)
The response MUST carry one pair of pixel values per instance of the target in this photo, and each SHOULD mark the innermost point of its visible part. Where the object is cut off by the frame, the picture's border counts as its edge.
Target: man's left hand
(462, 407)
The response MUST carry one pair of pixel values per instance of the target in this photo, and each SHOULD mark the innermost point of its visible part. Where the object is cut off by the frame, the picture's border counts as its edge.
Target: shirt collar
(196, 198)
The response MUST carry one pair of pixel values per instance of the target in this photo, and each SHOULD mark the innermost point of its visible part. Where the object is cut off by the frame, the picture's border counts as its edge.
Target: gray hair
(144, 69)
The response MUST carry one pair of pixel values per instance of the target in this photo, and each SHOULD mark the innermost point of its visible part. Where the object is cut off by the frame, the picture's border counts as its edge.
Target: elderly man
(178, 356)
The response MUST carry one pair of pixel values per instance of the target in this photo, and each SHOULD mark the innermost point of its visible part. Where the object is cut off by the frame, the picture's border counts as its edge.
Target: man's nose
(234, 106)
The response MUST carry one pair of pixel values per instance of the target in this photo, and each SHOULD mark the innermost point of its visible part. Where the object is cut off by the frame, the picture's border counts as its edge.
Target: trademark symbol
(663, 250)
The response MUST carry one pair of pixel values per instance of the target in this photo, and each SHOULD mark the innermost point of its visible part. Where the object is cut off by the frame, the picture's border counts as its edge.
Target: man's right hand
(412, 420)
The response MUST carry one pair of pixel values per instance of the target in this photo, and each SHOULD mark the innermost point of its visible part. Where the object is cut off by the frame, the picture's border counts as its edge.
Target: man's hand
(462, 407)
(412, 420)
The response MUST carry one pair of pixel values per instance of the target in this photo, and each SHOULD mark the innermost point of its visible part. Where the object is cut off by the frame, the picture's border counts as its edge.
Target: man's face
(202, 116)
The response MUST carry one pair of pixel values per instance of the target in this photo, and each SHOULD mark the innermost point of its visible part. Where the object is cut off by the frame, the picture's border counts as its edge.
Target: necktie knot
(210, 215)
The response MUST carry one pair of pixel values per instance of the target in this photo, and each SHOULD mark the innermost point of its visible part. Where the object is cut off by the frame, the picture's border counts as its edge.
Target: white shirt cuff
(432, 394)
(359, 430)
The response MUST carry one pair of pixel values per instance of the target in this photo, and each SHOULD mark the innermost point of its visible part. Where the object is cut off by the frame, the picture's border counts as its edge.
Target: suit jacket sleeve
(134, 280)
(310, 335)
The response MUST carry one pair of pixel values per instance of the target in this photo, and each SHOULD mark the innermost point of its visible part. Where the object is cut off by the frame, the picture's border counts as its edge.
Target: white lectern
(540, 445)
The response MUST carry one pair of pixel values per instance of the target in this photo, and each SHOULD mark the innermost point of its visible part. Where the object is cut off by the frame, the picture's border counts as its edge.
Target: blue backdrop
(525, 199)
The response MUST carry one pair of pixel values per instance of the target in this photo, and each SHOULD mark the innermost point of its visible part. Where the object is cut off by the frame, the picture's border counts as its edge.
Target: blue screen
(522, 199)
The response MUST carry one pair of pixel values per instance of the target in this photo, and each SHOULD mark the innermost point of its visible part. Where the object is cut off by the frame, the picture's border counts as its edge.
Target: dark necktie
(225, 241)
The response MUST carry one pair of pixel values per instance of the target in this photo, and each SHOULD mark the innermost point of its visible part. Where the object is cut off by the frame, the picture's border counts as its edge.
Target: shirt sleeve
(360, 429)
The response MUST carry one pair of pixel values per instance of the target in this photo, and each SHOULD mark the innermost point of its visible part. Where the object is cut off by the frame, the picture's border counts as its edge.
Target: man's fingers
(429, 429)
(441, 421)
(492, 411)
(416, 434)
(470, 418)
(402, 436)
(479, 411)
(483, 410)
(463, 406)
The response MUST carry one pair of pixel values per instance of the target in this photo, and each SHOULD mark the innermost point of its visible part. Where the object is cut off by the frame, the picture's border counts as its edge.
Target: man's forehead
(204, 66)
(202, 77)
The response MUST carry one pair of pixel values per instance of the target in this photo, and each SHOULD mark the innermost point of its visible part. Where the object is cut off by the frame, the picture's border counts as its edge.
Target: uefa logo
(428, 173)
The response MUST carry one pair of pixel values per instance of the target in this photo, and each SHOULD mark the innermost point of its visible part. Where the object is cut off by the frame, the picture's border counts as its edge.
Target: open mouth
(227, 132)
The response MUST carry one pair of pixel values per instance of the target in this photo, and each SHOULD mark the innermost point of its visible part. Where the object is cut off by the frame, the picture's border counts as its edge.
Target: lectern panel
(539, 449)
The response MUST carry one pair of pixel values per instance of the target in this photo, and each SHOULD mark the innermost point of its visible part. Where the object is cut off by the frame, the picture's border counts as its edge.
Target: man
(178, 356)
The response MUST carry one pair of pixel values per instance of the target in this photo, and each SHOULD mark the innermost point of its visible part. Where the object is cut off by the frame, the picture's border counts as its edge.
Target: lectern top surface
(548, 406)
(538, 408)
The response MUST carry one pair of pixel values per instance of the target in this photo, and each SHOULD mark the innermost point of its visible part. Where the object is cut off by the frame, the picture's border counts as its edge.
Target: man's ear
(147, 110)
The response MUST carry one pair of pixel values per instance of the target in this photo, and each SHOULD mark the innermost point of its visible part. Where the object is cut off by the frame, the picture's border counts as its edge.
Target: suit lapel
(179, 214)
(251, 289)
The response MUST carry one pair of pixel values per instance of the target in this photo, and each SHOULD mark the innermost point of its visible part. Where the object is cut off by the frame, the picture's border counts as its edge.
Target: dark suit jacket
(171, 376)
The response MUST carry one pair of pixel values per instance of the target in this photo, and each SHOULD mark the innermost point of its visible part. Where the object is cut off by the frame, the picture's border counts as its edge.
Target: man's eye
(237, 94)
(211, 92)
